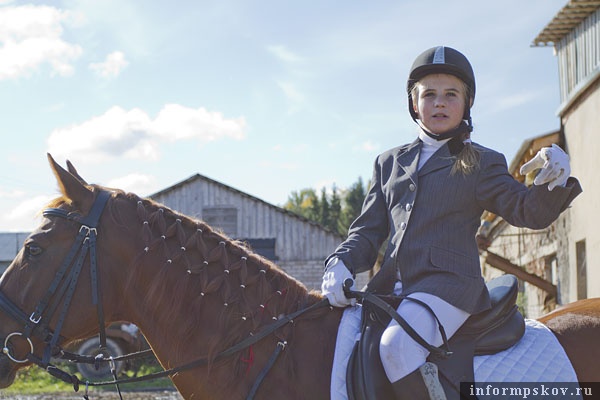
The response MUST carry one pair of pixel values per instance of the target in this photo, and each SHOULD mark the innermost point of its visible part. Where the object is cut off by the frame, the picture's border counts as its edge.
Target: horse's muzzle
(8, 371)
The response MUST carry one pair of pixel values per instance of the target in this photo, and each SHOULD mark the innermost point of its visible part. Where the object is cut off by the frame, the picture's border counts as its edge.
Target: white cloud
(291, 92)
(285, 166)
(111, 67)
(11, 193)
(30, 36)
(367, 146)
(27, 208)
(134, 134)
(175, 122)
(284, 54)
(135, 183)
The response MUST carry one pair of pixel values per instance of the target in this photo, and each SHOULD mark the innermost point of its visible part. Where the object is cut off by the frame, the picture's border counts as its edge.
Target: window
(264, 247)
(578, 58)
(224, 218)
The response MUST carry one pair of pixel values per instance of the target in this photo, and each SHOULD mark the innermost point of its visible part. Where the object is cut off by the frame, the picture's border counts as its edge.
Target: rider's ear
(71, 186)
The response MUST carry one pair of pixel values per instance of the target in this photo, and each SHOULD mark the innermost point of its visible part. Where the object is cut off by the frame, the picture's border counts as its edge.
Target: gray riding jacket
(431, 218)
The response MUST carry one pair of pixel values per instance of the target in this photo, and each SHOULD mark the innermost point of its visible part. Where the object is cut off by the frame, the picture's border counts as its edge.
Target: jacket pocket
(454, 261)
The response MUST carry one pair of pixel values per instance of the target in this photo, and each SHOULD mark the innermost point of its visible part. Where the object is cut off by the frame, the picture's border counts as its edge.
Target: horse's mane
(205, 275)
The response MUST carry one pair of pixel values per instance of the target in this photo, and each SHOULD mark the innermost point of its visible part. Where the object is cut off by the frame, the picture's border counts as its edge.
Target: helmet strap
(462, 128)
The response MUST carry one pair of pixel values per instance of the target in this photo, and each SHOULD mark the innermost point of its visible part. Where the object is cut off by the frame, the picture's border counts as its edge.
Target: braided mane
(201, 273)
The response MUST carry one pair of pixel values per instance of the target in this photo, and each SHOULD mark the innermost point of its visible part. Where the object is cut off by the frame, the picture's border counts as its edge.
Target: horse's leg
(577, 328)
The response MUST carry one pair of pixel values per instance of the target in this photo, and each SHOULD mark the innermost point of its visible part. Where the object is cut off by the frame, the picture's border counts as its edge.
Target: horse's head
(48, 292)
(153, 266)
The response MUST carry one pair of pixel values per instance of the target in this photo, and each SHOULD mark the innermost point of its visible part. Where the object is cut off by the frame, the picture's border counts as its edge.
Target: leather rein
(63, 287)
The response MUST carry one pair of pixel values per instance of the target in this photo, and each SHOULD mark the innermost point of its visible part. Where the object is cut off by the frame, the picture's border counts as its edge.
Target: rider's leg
(401, 356)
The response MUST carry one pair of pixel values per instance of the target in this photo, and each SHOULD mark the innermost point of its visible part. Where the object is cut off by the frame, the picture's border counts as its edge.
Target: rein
(367, 298)
(64, 285)
(244, 344)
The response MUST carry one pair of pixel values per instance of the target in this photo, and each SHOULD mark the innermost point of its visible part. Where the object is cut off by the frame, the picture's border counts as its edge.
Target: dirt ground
(97, 395)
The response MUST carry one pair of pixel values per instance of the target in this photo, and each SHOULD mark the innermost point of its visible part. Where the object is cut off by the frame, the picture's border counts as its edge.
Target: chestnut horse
(194, 293)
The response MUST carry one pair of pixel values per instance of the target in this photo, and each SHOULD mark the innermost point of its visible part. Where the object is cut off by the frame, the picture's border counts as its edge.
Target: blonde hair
(468, 158)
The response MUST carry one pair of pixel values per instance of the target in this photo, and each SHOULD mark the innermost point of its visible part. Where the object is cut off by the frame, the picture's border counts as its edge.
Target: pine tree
(353, 202)
(335, 212)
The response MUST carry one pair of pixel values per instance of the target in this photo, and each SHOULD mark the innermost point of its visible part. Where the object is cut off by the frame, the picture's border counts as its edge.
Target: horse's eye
(33, 249)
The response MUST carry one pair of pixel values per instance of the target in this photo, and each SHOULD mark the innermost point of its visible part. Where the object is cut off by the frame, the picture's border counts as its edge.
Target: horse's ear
(70, 186)
(74, 172)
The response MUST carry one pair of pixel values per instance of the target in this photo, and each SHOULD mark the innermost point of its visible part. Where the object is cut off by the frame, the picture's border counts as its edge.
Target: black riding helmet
(443, 60)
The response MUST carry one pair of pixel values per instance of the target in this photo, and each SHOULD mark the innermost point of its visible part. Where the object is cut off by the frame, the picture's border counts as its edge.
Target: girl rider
(427, 197)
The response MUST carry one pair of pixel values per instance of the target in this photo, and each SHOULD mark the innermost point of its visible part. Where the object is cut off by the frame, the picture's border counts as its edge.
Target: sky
(267, 96)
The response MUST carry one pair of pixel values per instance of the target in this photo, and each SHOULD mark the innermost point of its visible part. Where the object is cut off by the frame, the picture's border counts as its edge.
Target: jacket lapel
(408, 159)
(440, 159)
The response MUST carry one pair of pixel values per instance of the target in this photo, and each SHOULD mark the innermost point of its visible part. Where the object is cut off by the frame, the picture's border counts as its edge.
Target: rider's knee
(399, 352)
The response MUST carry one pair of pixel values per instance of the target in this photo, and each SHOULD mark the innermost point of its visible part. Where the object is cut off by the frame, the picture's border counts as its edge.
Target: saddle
(489, 332)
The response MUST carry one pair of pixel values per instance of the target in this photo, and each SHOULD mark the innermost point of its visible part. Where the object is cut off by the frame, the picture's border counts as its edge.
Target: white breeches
(400, 354)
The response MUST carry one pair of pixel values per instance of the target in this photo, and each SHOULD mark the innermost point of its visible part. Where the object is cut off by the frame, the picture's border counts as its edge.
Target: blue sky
(266, 96)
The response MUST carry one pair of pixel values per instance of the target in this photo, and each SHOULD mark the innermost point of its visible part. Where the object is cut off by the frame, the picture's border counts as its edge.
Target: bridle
(63, 287)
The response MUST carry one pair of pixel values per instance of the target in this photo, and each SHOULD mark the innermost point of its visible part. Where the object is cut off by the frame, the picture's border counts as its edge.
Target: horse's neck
(197, 293)
(199, 286)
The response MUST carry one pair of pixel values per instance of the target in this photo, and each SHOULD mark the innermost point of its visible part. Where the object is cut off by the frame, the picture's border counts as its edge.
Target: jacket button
(408, 207)
(403, 226)
(412, 187)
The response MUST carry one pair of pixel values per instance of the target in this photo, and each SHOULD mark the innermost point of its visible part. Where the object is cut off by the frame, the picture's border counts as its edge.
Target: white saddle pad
(538, 357)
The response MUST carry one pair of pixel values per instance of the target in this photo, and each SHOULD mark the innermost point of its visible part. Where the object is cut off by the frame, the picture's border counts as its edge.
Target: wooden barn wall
(296, 239)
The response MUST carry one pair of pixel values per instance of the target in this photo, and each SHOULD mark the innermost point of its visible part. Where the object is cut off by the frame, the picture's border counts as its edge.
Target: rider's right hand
(333, 283)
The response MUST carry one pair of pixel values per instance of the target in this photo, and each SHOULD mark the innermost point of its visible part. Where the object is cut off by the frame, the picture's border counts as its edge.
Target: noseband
(62, 287)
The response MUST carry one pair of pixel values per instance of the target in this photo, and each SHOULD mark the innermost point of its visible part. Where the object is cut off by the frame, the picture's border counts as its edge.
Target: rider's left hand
(554, 164)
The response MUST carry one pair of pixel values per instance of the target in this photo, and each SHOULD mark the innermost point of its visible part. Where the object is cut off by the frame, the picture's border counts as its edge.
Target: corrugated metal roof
(565, 21)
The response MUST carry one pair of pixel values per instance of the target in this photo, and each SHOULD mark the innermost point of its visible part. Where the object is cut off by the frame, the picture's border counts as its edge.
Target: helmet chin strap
(462, 128)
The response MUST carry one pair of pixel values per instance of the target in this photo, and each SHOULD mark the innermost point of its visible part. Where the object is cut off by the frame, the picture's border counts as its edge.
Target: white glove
(333, 284)
(554, 164)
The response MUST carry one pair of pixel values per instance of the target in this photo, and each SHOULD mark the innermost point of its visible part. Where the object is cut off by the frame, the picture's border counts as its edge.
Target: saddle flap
(503, 337)
(502, 325)
(365, 376)
(503, 295)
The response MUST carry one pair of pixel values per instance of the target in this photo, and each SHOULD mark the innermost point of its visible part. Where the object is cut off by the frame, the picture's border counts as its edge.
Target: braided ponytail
(468, 157)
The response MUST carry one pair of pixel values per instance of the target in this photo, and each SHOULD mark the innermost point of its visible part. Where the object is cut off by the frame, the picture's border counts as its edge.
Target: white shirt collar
(431, 142)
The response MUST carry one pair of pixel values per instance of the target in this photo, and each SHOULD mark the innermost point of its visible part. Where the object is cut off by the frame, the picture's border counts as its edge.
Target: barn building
(561, 264)
(294, 243)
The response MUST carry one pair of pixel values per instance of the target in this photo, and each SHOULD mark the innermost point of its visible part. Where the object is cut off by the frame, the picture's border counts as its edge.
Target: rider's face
(439, 102)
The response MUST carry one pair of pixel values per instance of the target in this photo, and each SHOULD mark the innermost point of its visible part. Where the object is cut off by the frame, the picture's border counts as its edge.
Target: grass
(34, 380)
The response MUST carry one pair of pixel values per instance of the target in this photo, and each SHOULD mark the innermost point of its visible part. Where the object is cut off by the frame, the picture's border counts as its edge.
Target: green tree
(335, 211)
(301, 202)
(324, 217)
(353, 201)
